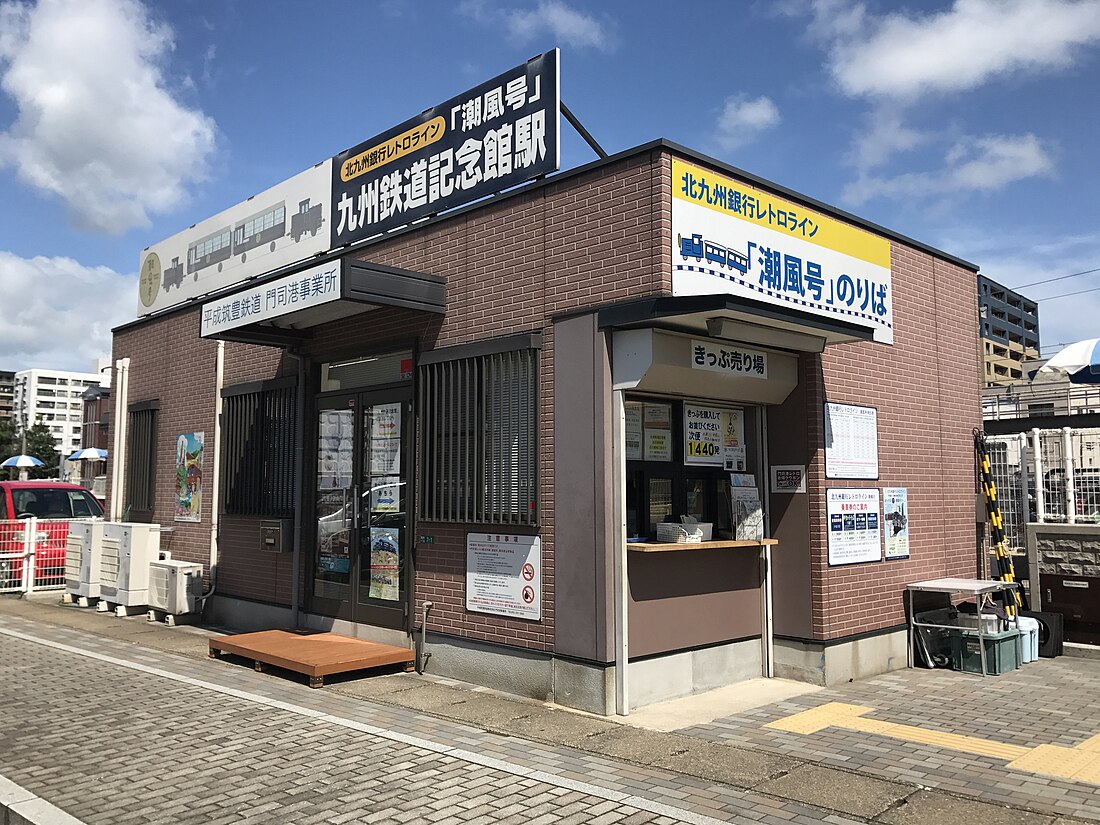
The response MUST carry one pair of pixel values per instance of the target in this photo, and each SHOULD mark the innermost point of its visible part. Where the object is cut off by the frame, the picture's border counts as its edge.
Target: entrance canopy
(281, 311)
(734, 319)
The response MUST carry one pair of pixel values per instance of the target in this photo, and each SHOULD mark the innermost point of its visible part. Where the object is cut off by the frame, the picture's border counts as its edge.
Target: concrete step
(1081, 651)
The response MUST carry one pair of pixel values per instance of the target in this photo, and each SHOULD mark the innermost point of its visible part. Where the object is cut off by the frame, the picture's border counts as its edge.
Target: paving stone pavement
(1052, 701)
(731, 770)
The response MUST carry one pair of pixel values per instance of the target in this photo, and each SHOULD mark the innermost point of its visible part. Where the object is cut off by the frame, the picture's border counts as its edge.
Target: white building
(54, 397)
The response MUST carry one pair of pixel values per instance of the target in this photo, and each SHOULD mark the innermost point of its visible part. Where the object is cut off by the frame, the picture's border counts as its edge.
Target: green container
(1001, 651)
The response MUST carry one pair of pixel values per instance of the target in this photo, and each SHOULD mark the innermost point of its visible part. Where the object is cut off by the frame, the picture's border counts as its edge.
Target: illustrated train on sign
(695, 247)
(256, 230)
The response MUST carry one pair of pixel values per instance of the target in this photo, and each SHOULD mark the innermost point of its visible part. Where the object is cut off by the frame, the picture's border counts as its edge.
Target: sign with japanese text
(729, 237)
(895, 515)
(854, 532)
(728, 359)
(657, 432)
(851, 441)
(788, 478)
(493, 137)
(281, 226)
(714, 437)
(504, 575)
(308, 288)
(483, 141)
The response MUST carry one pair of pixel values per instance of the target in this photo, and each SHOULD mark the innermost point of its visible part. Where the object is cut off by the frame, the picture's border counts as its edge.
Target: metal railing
(32, 554)
(1046, 476)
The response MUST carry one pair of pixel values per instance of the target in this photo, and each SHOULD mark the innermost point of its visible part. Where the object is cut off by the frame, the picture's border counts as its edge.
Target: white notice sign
(851, 441)
(504, 575)
(854, 532)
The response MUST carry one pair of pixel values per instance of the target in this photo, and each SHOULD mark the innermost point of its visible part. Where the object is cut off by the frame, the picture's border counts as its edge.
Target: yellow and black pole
(1002, 559)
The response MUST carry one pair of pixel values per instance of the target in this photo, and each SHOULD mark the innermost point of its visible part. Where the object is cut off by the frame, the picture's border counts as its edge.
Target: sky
(971, 126)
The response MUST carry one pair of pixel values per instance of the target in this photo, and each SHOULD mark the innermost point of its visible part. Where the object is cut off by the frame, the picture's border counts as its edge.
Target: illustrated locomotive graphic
(261, 228)
(697, 248)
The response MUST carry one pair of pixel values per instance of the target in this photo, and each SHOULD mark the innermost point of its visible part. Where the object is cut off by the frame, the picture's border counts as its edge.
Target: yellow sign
(396, 147)
(735, 199)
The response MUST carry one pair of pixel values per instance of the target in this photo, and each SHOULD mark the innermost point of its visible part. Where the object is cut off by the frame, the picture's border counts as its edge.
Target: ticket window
(679, 459)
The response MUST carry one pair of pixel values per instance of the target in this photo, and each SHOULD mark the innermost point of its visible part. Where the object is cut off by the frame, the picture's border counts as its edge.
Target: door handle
(355, 507)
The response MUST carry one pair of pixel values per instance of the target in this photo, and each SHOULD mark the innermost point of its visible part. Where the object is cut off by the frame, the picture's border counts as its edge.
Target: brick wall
(584, 241)
(926, 390)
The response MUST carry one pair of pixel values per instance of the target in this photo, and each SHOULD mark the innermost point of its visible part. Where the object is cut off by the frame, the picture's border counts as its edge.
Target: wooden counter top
(647, 547)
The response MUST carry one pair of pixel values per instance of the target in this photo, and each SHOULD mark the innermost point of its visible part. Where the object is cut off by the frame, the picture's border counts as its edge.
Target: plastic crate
(1000, 651)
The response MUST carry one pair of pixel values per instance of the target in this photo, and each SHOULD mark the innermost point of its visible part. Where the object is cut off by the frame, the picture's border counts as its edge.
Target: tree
(10, 443)
(42, 445)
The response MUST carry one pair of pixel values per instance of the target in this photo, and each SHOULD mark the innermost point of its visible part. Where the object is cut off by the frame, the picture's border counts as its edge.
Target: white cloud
(981, 164)
(967, 45)
(58, 313)
(553, 19)
(743, 120)
(885, 136)
(97, 126)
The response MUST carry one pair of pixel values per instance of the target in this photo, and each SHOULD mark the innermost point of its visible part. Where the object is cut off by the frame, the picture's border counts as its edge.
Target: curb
(18, 806)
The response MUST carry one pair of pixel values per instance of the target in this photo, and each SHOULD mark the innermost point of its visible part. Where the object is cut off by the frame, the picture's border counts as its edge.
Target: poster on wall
(504, 575)
(657, 432)
(714, 437)
(895, 517)
(633, 431)
(747, 513)
(851, 441)
(189, 477)
(854, 534)
(385, 557)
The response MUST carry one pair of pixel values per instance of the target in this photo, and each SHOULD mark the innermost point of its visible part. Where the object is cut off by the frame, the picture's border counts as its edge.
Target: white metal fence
(1046, 476)
(32, 554)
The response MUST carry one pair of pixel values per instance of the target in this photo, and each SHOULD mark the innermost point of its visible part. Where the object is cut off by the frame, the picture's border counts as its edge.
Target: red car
(55, 504)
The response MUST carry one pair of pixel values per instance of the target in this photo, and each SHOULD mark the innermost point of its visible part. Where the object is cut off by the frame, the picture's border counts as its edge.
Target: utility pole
(23, 423)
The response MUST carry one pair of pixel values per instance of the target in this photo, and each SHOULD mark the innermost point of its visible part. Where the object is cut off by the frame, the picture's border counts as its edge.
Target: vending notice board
(854, 525)
(504, 575)
(851, 441)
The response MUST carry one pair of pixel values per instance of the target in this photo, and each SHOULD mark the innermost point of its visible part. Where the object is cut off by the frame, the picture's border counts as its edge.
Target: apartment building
(1010, 332)
(56, 398)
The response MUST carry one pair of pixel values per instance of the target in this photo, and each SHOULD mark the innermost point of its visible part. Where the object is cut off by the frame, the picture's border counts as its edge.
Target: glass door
(360, 565)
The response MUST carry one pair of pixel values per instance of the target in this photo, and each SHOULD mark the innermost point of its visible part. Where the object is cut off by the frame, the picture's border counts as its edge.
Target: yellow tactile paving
(1081, 762)
(1055, 760)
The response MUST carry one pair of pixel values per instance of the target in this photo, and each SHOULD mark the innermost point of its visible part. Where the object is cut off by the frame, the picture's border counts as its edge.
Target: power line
(1059, 278)
(1068, 294)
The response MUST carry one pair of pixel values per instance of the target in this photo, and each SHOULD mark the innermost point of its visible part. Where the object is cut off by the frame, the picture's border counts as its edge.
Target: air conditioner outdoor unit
(175, 586)
(127, 551)
(83, 559)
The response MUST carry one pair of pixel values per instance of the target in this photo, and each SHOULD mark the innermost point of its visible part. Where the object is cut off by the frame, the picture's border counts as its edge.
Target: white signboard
(504, 575)
(308, 288)
(728, 359)
(895, 517)
(851, 441)
(657, 432)
(731, 238)
(282, 225)
(854, 532)
(714, 437)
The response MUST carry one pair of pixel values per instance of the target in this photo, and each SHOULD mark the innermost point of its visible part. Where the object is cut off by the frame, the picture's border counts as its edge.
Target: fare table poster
(851, 441)
(854, 530)
(504, 575)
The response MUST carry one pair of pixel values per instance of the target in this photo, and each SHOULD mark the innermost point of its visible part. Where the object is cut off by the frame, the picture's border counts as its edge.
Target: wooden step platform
(314, 653)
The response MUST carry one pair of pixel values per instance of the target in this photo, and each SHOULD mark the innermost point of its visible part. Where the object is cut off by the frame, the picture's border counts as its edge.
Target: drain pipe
(423, 655)
(299, 487)
(122, 378)
(219, 379)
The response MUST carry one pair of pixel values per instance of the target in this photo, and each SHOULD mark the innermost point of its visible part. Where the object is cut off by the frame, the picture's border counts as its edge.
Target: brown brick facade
(588, 240)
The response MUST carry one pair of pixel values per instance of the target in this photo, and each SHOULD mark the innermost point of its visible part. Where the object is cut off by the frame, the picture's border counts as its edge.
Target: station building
(616, 434)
